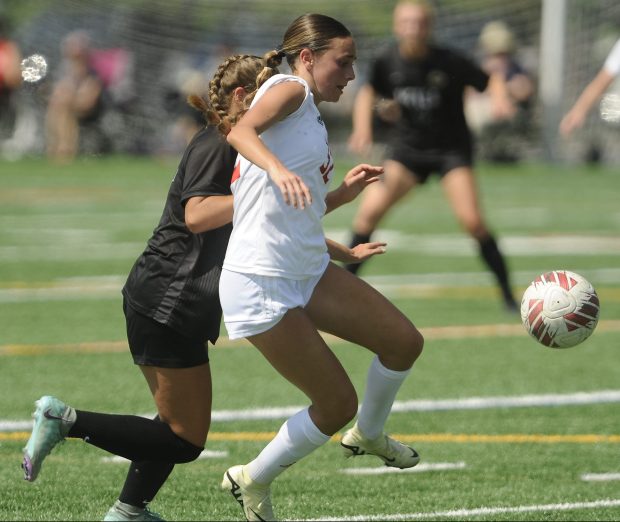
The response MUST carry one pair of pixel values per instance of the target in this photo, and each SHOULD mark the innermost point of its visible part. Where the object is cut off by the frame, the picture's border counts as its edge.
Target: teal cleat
(52, 421)
(121, 511)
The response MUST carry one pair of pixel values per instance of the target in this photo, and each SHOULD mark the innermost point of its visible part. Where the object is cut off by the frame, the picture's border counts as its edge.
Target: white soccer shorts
(253, 304)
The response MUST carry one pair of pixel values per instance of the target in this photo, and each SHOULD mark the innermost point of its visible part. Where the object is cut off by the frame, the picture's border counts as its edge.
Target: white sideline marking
(72, 240)
(420, 468)
(457, 245)
(206, 454)
(600, 477)
(109, 287)
(469, 403)
(483, 511)
(519, 401)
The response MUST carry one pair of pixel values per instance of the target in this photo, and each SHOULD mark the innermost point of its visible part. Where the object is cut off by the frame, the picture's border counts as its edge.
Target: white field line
(485, 511)
(468, 403)
(459, 245)
(600, 477)
(102, 287)
(82, 244)
(420, 468)
(206, 454)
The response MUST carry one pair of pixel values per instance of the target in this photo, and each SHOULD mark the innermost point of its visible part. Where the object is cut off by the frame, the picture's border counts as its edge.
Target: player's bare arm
(276, 104)
(576, 117)
(354, 182)
(203, 213)
(357, 254)
(361, 138)
(503, 108)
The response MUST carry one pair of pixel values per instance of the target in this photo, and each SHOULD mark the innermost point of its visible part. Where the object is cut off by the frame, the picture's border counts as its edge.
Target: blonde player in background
(419, 87)
(576, 116)
(278, 287)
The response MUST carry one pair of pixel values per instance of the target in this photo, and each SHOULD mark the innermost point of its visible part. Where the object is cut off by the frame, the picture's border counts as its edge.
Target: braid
(218, 113)
(240, 70)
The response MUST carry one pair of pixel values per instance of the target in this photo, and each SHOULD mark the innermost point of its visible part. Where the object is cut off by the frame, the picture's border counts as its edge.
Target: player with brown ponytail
(278, 287)
(172, 308)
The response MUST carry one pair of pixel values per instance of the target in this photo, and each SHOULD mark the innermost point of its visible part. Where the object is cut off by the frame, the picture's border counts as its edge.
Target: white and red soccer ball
(560, 309)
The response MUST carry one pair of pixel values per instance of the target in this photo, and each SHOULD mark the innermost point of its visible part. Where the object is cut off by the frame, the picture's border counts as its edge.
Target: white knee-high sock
(297, 438)
(382, 385)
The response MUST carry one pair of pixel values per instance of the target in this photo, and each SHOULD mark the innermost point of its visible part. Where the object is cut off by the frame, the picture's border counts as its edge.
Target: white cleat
(254, 498)
(393, 453)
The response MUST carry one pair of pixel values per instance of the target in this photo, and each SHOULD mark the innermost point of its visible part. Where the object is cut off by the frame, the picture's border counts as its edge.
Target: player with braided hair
(172, 310)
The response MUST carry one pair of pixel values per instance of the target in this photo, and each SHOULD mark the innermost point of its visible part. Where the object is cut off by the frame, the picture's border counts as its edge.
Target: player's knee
(412, 345)
(476, 229)
(183, 450)
(417, 343)
(186, 451)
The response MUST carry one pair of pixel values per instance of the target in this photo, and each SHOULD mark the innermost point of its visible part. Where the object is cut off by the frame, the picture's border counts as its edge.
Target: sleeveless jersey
(612, 63)
(270, 237)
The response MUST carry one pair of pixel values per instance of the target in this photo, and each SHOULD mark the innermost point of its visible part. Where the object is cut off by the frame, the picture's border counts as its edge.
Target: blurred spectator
(10, 80)
(76, 98)
(187, 121)
(191, 75)
(498, 135)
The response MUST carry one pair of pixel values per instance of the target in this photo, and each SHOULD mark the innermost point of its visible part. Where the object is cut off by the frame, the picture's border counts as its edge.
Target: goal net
(156, 50)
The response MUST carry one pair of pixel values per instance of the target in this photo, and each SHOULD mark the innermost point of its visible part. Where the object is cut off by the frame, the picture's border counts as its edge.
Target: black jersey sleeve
(208, 166)
(470, 72)
(379, 73)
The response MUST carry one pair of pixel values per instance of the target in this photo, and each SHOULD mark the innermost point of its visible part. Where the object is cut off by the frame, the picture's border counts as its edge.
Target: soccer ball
(560, 309)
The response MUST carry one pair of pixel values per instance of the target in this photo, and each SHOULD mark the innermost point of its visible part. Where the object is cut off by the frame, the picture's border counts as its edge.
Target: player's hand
(360, 142)
(294, 191)
(357, 179)
(388, 110)
(364, 251)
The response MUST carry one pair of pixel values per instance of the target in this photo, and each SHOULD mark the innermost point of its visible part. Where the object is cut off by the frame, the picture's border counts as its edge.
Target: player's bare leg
(188, 419)
(378, 198)
(171, 387)
(297, 351)
(376, 201)
(460, 188)
(351, 309)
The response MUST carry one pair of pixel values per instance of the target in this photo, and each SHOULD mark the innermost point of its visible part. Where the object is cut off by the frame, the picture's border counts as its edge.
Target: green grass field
(507, 429)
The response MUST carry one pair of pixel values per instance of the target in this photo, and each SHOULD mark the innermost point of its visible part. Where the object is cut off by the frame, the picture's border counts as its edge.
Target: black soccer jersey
(175, 280)
(430, 94)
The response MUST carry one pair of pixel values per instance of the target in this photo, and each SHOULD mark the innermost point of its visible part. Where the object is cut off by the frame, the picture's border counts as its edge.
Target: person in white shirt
(278, 287)
(576, 116)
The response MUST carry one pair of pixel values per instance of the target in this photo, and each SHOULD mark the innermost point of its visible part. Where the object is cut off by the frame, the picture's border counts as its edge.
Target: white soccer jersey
(612, 63)
(270, 237)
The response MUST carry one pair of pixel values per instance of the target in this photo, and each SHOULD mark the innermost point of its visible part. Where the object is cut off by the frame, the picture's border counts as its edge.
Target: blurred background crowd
(99, 77)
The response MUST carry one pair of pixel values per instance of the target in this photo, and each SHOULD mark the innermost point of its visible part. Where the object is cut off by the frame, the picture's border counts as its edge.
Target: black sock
(135, 438)
(495, 261)
(357, 239)
(144, 480)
